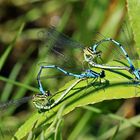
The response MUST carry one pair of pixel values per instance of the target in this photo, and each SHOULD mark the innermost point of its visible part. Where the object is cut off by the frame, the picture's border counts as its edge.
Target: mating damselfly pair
(94, 56)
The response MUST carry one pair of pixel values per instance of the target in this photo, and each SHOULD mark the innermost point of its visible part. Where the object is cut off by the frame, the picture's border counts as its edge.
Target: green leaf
(80, 127)
(9, 48)
(133, 12)
(119, 86)
(2, 78)
(123, 126)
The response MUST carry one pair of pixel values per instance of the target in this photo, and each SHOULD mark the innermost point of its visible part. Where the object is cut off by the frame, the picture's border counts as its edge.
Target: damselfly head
(90, 55)
(90, 51)
(42, 101)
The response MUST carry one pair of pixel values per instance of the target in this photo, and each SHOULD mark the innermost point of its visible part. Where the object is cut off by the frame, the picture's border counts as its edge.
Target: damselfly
(110, 54)
(90, 54)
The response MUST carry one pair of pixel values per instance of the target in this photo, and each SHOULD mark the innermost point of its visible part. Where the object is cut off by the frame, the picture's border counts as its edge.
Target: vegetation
(106, 111)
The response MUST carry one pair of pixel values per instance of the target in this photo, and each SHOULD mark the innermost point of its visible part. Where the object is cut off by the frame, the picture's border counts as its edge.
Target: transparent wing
(62, 51)
(4, 105)
(57, 39)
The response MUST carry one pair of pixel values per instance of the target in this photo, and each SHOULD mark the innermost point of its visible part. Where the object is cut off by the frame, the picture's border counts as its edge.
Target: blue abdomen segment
(125, 53)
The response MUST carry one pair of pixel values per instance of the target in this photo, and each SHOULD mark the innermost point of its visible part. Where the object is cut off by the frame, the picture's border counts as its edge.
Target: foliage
(22, 51)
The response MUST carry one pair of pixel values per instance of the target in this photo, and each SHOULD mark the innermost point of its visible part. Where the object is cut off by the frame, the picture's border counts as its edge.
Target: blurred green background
(20, 57)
